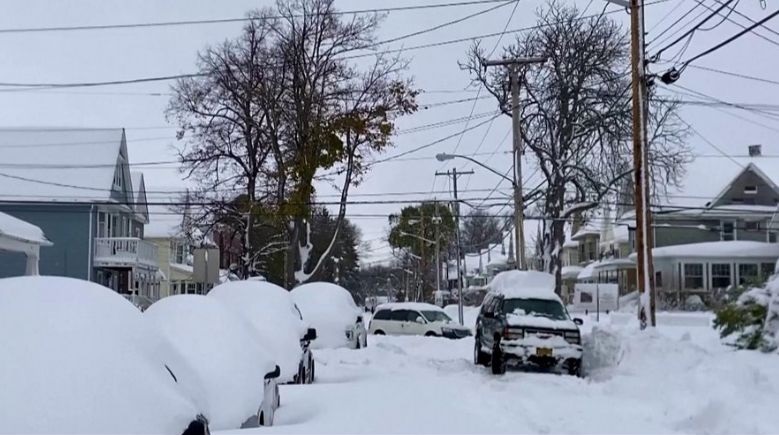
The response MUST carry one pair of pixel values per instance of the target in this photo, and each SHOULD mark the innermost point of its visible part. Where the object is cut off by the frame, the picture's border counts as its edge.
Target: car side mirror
(310, 334)
(274, 374)
(578, 321)
(420, 319)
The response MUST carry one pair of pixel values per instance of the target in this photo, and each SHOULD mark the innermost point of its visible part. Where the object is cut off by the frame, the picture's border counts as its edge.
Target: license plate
(543, 351)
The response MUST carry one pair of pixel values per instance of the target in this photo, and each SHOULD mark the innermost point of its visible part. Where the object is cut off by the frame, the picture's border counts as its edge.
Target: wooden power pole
(513, 66)
(644, 239)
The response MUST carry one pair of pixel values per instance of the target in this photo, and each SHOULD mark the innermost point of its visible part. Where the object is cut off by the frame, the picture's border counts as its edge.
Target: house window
(752, 225)
(747, 274)
(766, 270)
(118, 176)
(750, 190)
(693, 276)
(103, 225)
(720, 275)
(585, 297)
(659, 279)
(728, 231)
(771, 237)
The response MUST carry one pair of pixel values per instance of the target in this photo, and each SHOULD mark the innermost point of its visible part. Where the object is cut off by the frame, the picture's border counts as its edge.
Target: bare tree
(576, 119)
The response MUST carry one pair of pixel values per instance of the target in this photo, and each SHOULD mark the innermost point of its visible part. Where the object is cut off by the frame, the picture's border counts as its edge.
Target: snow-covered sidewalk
(678, 379)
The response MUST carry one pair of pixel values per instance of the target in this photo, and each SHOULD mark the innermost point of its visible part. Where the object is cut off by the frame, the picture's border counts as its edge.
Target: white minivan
(414, 318)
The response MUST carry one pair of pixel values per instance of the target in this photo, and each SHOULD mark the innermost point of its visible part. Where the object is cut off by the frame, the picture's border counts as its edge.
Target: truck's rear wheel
(498, 363)
(480, 358)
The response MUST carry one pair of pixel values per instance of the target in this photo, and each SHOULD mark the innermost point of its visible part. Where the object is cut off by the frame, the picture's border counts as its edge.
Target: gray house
(76, 185)
(720, 229)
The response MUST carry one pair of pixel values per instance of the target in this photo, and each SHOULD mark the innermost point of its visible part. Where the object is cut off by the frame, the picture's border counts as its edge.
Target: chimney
(755, 151)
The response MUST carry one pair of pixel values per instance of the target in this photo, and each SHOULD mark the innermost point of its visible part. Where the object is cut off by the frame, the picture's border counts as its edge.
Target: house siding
(765, 193)
(67, 227)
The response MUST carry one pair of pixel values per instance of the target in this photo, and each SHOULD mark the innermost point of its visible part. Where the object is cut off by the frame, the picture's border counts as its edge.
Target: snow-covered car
(415, 318)
(237, 373)
(523, 321)
(278, 322)
(330, 309)
(79, 358)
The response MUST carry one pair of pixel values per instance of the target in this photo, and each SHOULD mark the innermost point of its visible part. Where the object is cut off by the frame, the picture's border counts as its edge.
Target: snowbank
(78, 358)
(524, 284)
(20, 230)
(723, 249)
(419, 306)
(469, 314)
(224, 351)
(330, 309)
(270, 310)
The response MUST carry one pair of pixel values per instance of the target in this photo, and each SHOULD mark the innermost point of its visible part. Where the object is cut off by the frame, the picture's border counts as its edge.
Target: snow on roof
(524, 284)
(589, 271)
(164, 222)
(78, 358)
(419, 306)
(723, 249)
(329, 308)
(621, 233)
(271, 311)
(222, 348)
(43, 164)
(707, 178)
(24, 231)
(614, 263)
(570, 243)
(588, 229)
(571, 272)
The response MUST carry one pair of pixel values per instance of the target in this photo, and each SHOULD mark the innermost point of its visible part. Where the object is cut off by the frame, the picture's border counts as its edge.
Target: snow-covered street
(678, 379)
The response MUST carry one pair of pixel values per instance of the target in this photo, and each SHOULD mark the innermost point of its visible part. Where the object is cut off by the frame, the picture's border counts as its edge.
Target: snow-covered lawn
(677, 379)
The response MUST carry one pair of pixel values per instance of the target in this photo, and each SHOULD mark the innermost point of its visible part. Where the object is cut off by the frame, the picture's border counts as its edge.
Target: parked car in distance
(237, 373)
(523, 321)
(415, 318)
(330, 309)
(77, 357)
(278, 322)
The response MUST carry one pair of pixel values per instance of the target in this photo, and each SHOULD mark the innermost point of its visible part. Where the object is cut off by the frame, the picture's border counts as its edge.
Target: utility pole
(437, 223)
(644, 239)
(454, 174)
(513, 66)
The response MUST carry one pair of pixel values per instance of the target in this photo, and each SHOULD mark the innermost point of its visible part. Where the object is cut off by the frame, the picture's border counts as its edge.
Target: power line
(691, 31)
(234, 20)
(733, 74)
(678, 20)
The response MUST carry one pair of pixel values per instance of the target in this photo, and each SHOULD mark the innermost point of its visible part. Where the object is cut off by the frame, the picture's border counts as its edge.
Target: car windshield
(535, 307)
(436, 316)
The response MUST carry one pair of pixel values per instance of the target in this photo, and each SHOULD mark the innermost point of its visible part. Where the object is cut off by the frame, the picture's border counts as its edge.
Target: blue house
(76, 185)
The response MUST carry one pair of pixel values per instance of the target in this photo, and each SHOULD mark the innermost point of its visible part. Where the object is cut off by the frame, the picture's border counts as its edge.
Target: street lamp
(518, 203)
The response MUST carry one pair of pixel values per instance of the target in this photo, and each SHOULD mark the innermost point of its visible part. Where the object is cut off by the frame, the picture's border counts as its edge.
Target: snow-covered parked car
(278, 322)
(523, 321)
(330, 309)
(415, 318)
(79, 358)
(237, 373)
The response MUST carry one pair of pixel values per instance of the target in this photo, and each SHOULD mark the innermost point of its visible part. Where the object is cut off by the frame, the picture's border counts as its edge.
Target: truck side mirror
(310, 334)
(578, 321)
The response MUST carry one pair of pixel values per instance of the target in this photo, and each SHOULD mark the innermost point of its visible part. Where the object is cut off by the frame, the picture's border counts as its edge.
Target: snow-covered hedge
(751, 321)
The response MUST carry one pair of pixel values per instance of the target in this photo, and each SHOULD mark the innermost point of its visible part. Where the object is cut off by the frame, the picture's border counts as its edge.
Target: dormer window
(118, 177)
(750, 190)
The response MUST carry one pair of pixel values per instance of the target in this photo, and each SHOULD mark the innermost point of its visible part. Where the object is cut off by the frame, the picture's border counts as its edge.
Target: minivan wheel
(479, 358)
(498, 363)
(378, 332)
(430, 334)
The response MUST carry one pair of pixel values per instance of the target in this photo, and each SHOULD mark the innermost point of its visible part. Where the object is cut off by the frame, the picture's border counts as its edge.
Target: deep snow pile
(330, 309)
(224, 351)
(78, 358)
(270, 310)
(677, 379)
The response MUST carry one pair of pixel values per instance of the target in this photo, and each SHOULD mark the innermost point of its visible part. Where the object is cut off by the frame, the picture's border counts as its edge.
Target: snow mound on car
(271, 311)
(524, 284)
(78, 358)
(223, 349)
(330, 309)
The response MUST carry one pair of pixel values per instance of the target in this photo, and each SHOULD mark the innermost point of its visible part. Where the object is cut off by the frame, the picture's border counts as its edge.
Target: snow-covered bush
(742, 322)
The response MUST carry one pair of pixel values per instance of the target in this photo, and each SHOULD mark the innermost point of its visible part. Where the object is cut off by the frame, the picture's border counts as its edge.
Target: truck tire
(498, 360)
(480, 358)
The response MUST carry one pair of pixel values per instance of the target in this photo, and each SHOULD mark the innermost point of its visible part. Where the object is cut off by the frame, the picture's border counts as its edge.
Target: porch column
(33, 257)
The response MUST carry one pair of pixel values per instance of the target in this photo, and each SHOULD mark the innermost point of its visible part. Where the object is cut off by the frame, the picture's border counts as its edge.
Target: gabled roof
(139, 195)
(59, 164)
(749, 167)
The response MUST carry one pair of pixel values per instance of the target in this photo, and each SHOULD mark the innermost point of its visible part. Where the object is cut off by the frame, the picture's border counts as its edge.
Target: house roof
(723, 249)
(58, 164)
(164, 223)
(20, 230)
(708, 178)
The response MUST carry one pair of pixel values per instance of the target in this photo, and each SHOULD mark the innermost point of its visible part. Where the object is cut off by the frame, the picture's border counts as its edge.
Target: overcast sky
(118, 54)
